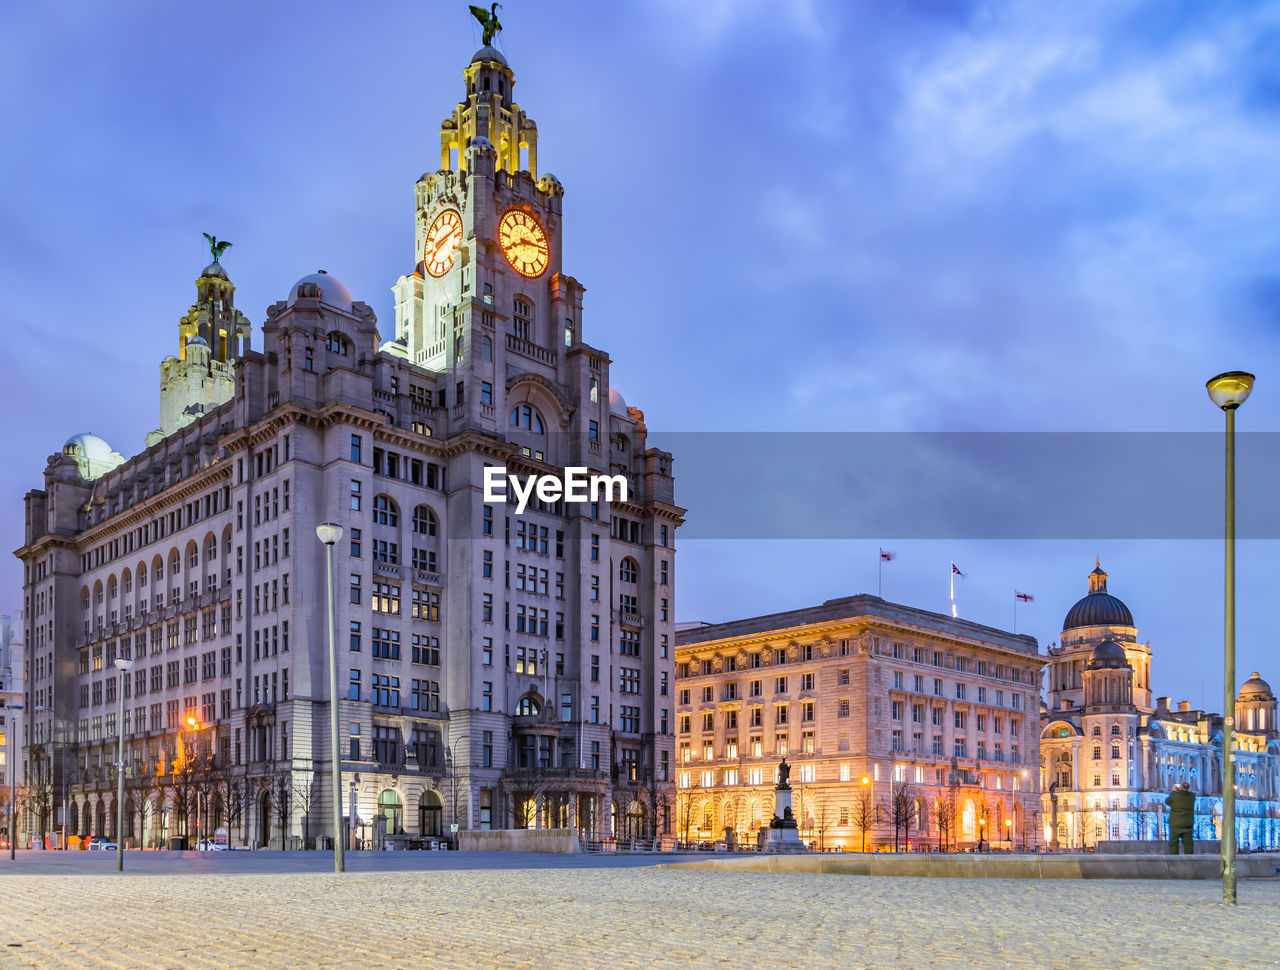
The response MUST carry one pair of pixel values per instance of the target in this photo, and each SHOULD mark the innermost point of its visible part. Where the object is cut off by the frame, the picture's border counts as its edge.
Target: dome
(92, 454)
(215, 270)
(331, 291)
(617, 404)
(1098, 608)
(1108, 654)
(480, 141)
(1255, 686)
(197, 341)
(548, 178)
(488, 53)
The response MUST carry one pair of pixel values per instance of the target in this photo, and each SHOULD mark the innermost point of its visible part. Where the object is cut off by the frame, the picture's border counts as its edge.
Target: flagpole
(952, 577)
(880, 575)
(1015, 611)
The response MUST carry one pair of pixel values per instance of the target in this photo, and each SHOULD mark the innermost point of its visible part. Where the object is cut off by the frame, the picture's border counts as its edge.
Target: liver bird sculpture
(216, 247)
(488, 21)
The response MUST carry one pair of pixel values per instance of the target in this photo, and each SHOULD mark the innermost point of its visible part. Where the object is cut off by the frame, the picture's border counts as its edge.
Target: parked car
(209, 845)
(101, 842)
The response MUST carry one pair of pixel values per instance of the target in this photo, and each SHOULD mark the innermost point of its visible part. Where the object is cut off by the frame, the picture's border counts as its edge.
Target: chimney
(1162, 704)
(1184, 707)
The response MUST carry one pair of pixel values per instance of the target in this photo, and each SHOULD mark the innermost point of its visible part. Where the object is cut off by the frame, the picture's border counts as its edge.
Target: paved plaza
(514, 911)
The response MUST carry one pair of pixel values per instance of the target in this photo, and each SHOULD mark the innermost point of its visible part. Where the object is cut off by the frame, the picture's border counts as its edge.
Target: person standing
(1182, 818)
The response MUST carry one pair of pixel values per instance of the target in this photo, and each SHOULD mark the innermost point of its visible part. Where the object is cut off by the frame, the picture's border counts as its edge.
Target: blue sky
(793, 216)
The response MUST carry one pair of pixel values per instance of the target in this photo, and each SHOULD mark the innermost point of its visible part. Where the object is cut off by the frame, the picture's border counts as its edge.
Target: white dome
(332, 291)
(92, 454)
(548, 177)
(617, 404)
(480, 141)
(197, 341)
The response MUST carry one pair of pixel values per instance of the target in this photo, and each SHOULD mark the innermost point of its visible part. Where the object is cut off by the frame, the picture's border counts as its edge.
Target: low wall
(998, 866)
(561, 841)
(1153, 848)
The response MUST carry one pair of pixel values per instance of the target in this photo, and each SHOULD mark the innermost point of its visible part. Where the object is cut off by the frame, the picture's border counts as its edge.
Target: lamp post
(329, 533)
(1228, 391)
(1008, 832)
(122, 664)
(453, 770)
(62, 764)
(10, 731)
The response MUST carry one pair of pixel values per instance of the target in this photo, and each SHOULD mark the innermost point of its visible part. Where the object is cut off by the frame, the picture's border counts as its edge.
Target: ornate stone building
(1110, 756)
(899, 724)
(496, 669)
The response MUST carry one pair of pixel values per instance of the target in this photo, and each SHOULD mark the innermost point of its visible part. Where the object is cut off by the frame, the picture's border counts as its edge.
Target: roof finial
(216, 247)
(488, 22)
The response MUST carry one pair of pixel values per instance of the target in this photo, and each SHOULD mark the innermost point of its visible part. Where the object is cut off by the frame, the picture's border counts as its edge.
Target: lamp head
(123, 663)
(1228, 391)
(328, 532)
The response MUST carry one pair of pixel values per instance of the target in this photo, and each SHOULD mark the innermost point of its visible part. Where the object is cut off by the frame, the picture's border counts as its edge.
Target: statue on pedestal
(784, 772)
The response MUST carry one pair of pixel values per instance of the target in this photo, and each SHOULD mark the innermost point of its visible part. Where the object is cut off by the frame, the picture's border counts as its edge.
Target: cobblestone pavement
(617, 916)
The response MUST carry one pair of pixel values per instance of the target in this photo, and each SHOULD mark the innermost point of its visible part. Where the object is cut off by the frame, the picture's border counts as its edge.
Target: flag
(886, 556)
(956, 569)
(1025, 597)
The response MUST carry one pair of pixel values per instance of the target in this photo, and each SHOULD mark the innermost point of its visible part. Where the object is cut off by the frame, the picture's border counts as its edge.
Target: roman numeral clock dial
(443, 239)
(524, 242)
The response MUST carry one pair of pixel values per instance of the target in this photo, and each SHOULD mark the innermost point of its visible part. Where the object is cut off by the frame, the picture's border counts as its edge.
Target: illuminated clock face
(524, 242)
(443, 239)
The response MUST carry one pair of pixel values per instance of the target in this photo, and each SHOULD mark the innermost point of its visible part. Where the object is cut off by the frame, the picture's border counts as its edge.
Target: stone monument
(782, 835)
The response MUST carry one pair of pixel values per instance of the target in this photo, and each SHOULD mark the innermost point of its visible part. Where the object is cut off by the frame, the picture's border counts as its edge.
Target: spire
(1097, 578)
(488, 110)
(211, 337)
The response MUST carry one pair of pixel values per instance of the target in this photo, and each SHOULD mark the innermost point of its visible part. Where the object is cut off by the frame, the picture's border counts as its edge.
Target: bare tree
(944, 817)
(686, 802)
(282, 800)
(304, 791)
(40, 788)
(902, 809)
(822, 804)
(863, 816)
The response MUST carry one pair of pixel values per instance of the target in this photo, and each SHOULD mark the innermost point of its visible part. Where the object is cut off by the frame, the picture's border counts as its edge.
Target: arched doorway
(391, 809)
(430, 813)
(635, 820)
(100, 819)
(73, 816)
(730, 817)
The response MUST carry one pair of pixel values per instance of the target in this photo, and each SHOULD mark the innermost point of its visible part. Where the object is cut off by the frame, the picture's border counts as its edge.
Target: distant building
(498, 668)
(895, 721)
(12, 721)
(1110, 756)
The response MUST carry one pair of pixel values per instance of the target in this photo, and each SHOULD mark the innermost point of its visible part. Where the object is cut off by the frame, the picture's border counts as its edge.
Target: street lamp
(1008, 832)
(1228, 391)
(62, 764)
(122, 664)
(453, 770)
(329, 533)
(10, 731)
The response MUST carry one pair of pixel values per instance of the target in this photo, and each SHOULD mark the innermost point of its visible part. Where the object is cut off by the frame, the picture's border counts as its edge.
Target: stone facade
(495, 669)
(1110, 756)
(887, 714)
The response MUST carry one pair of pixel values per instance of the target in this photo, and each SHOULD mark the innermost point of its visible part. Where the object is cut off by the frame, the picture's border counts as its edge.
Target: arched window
(1097, 752)
(629, 571)
(486, 349)
(193, 556)
(1115, 751)
(389, 808)
(336, 344)
(1097, 731)
(568, 333)
(1115, 730)
(424, 521)
(527, 707)
(526, 416)
(385, 511)
(594, 390)
(175, 563)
